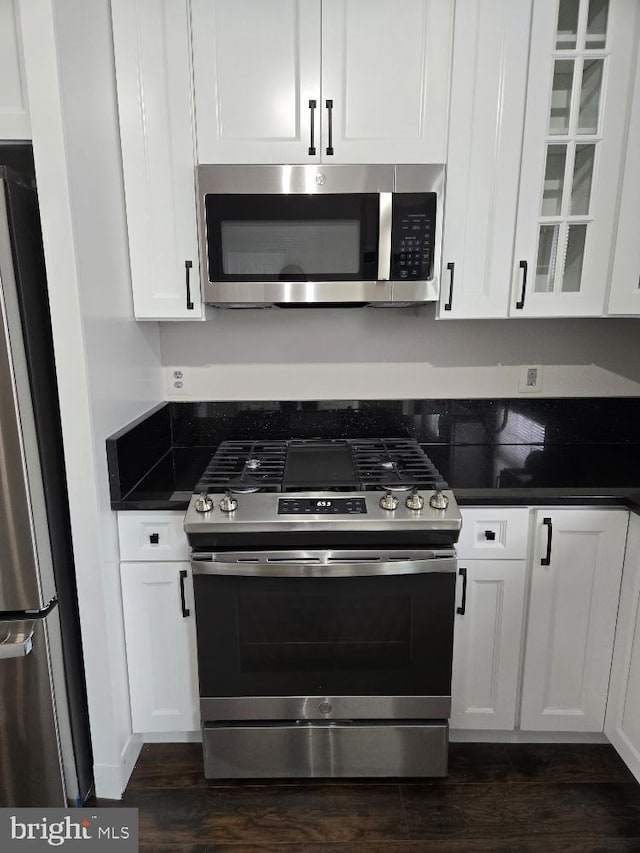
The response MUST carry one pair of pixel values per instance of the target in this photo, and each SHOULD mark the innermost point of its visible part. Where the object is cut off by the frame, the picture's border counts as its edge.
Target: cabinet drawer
(152, 536)
(493, 533)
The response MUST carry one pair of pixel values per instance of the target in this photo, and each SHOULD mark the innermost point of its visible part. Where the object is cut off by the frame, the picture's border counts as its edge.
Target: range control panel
(413, 231)
(321, 506)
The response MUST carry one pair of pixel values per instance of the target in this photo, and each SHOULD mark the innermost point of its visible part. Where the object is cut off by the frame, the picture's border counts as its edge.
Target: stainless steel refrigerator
(45, 749)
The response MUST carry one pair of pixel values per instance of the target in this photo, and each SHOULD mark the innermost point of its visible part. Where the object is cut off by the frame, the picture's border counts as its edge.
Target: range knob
(389, 502)
(414, 501)
(203, 503)
(228, 503)
(439, 500)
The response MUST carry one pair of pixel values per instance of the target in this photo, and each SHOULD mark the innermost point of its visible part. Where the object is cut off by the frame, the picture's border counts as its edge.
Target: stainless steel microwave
(320, 235)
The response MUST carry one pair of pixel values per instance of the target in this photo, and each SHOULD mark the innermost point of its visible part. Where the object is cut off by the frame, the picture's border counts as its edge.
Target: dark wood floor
(496, 799)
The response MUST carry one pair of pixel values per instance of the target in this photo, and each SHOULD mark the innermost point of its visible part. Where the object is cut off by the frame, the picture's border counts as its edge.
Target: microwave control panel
(413, 229)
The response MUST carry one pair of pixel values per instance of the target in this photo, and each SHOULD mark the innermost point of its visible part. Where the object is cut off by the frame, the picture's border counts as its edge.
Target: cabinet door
(625, 279)
(577, 97)
(154, 82)
(487, 642)
(14, 110)
(575, 584)
(257, 76)
(488, 90)
(386, 71)
(161, 646)
(622, 725)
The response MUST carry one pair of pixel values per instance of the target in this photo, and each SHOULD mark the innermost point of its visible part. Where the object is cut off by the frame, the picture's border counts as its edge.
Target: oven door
(325, 635)
(294, 234)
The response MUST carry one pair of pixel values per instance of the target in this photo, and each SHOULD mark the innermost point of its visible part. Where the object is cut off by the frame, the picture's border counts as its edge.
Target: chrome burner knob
(389, 502)
(253, 464)
(203, 503)
(439, 500)
(415, 501)
(228, 503)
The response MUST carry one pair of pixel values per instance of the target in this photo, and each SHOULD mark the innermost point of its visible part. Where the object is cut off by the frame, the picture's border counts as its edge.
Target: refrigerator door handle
(17, 642)
(25, 616)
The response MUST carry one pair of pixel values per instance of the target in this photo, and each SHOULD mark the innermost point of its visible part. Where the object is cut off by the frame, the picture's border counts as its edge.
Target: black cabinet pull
(329, 105)
(450, 267)
(183, 602)
(546, 560)
(187, 269)
(490, 535)
(463, 605)
(524, 266)
(154, 538)
(312, 145)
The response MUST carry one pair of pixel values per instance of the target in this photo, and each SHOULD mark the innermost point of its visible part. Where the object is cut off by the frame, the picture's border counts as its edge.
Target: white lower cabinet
(534, 643)
(577, 559)
(622, 725)
(160, 637)
(486, 654)
(489, 617)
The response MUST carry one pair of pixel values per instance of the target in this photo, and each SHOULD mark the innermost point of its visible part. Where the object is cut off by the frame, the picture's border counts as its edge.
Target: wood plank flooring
(497, 799)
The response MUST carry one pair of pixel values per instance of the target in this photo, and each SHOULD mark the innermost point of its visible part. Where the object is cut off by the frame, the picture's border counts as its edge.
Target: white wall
(108, 365)
(394, 353)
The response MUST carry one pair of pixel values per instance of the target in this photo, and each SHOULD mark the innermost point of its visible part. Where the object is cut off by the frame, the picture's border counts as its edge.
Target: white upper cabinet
(339, 81)
(488, 90)
(580, 66)
(257, 80)
(385, 70)
(625, 280)
(155, 105)
(14, 110)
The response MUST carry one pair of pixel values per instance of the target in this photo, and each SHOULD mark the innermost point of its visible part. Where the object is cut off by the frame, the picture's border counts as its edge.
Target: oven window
(300, 632)
(330, 237)
(382, 635)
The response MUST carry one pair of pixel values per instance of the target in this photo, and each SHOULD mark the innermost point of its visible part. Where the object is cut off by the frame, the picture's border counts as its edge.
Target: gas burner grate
(342, 465)
(394, 462)
(245, 466)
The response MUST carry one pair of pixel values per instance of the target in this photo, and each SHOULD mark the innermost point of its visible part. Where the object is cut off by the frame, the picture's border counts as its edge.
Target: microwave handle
(384, 238)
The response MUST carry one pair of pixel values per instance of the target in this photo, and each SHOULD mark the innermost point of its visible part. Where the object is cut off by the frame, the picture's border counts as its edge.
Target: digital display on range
(321, 506)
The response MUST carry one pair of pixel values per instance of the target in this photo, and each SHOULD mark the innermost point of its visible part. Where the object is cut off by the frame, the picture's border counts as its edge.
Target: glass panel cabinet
(574, 140)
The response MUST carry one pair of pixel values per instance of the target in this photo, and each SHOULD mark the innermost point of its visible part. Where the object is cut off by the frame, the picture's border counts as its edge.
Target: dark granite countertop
(506, 451)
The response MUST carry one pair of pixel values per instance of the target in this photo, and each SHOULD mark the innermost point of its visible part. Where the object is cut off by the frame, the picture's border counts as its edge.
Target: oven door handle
(313, 567)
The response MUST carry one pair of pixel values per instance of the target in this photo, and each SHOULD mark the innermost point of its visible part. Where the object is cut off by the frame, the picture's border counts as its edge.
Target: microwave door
(275, 248)
(384, 236)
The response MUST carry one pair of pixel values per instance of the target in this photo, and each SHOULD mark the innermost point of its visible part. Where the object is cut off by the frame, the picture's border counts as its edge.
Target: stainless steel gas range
(324, 577)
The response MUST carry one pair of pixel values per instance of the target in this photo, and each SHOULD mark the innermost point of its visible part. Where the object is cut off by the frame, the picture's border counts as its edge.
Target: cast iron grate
(394, 462)
(373, 464)
(245, 466)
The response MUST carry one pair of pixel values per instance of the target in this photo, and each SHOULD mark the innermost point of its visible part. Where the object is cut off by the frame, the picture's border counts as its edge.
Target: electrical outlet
(530, 379)
(177, 381)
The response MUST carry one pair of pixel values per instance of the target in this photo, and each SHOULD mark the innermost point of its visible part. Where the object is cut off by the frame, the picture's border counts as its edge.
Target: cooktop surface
(315, 464)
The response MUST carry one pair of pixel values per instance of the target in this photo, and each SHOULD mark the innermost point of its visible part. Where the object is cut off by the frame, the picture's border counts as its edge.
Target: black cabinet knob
(490, 535)
(154, 538)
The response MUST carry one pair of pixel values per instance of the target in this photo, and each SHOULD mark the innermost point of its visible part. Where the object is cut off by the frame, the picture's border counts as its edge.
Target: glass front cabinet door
(576, 124)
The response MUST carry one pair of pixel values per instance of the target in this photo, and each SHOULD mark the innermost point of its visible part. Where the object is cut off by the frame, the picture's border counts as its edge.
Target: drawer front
(289, 750)
(493, 533)
(150, 536)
